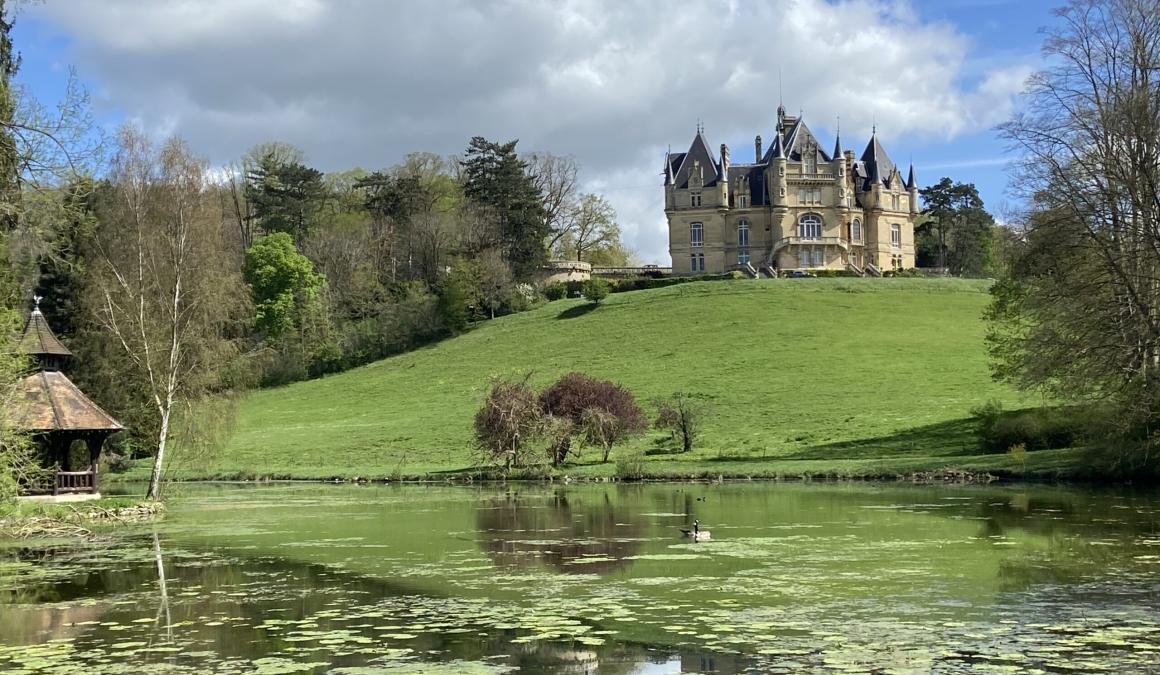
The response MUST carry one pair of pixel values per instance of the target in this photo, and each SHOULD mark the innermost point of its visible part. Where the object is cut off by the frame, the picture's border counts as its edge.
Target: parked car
(800, 274)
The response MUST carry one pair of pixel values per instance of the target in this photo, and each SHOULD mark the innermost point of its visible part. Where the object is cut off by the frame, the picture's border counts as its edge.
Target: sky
(613, 83)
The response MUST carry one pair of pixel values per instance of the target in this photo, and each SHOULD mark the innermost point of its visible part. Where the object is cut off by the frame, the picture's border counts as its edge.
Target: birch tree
(163, 287)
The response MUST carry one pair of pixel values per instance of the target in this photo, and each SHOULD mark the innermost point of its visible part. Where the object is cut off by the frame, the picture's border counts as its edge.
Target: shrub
(595, 290)
(509, 419)
(558, 431)
(681, 415)
(1036, 429)
(555, 291)
(630, 467)
(603, 412)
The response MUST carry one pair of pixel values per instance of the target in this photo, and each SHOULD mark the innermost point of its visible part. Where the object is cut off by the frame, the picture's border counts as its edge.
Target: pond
(599, 579)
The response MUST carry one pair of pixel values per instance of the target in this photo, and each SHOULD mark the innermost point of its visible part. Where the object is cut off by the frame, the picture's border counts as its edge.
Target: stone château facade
(795, 207)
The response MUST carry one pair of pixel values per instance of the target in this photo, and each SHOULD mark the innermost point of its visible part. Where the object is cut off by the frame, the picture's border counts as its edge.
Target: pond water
(598, 579)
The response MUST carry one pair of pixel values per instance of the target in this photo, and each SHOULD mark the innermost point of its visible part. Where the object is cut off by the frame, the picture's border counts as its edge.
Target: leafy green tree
(1077, 314)
(9, 158)
(282, 282)
(284, 195)
(495, 177)
(595, 290)
(956, 232)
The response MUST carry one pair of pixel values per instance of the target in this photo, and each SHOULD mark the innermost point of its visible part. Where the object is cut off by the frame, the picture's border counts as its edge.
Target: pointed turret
(778, 149)
(837, 145)
(40, 342)
(668, 168)
(877, 162)
(910, 184)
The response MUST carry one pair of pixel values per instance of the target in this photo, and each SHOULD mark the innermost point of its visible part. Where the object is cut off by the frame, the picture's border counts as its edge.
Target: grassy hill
(835, 376)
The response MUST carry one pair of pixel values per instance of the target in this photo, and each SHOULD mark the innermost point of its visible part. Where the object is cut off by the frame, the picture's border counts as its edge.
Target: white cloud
(612, 82)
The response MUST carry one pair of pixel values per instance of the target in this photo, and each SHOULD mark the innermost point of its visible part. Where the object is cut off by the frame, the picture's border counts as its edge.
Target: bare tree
(593, 224)
(1079, 314)
(159, 276)
(555, 178)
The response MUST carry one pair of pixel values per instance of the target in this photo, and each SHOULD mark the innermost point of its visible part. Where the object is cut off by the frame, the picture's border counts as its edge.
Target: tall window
(896, 235)
(811, 160)
(743, 233)
(810, 226)
(697, 262)
(856, 230)
(819, 257)
(803, 258)
(696, 235)
(810, 195)
(742, 202)
(695, 198)
(894, 202)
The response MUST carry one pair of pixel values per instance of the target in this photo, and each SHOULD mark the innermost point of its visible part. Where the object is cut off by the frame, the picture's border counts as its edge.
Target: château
(795, 207)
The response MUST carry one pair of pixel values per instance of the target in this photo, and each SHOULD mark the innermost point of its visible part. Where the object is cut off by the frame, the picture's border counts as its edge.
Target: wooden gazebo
(57, 413)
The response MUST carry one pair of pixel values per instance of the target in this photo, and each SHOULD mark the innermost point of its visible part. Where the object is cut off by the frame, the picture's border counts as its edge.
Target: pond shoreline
(918, 478)
(82, 520)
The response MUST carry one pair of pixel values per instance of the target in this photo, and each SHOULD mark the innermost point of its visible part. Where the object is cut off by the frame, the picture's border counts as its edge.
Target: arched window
(810, 226)
(696, 235)
(743, 232)
(856, 230)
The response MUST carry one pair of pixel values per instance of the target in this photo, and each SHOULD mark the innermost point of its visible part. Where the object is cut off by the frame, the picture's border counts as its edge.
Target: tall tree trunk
(154, 491)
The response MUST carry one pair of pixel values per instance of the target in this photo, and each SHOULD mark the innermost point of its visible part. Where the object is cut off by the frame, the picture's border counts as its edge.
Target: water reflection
(596, 579)
(569, 533)
(200, 613)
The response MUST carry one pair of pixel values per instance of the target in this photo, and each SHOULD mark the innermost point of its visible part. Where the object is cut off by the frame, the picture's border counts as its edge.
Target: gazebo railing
(74, 481)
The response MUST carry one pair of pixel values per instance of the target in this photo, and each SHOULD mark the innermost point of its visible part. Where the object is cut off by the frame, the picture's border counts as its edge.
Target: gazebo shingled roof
(49, 401)
(39, 340)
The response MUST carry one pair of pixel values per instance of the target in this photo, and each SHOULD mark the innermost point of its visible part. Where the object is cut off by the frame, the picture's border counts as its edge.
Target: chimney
(757, 147)
(725, 159)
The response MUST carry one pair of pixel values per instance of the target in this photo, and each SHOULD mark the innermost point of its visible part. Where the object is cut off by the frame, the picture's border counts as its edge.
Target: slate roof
(38, 338)
(795, 142)
(49, 401)
(754, 175)
(698, 152)
(877, 162)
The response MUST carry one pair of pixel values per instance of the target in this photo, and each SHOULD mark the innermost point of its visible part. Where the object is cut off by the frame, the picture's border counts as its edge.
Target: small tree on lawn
(603, 412)
(681, 415)
(595, 290)
(508, 421)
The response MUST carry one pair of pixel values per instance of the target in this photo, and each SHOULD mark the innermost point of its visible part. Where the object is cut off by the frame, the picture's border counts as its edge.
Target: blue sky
(612, 83)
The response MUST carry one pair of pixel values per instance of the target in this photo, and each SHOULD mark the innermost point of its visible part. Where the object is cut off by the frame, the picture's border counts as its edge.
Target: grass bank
(810, 377)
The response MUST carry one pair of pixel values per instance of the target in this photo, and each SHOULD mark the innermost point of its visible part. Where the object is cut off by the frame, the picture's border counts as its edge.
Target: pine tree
(495, 177)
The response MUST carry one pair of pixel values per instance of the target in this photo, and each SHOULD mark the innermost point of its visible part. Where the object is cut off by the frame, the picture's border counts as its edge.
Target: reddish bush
(602, 411)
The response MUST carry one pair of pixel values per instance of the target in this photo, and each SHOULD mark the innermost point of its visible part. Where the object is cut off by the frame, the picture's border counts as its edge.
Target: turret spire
(837, 140)
(910, 184)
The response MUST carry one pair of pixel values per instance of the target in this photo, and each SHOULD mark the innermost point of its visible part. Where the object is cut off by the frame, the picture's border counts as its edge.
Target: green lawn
(810, 376)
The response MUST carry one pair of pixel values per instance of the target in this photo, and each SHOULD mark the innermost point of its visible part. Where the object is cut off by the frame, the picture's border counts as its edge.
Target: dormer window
(695, 198)
(811, 161)
(742, 201)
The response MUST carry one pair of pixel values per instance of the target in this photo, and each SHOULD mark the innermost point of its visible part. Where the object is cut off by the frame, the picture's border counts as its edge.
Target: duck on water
(696, 534)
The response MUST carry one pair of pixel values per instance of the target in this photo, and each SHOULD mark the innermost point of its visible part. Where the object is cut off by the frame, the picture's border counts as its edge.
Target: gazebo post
(95, 442)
